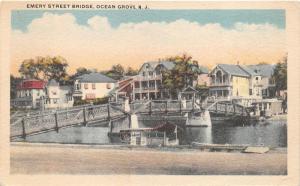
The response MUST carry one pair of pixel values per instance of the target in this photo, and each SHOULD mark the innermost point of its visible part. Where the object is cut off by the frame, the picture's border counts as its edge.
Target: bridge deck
(46, 121)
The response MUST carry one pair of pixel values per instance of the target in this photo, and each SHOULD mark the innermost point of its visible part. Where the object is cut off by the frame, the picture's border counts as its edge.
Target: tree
(29, 69)
(280, 75)
(182, 75)
(45, 68)
(131, 72)
(116, 72)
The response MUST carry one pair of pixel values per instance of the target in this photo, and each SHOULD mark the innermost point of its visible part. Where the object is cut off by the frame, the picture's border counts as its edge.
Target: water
(273, 134)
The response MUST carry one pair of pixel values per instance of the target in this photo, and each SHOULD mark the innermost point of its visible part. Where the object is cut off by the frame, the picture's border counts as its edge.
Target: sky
(99, 39)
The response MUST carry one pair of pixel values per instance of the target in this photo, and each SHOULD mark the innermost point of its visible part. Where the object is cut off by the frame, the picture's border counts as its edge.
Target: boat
(162, 134)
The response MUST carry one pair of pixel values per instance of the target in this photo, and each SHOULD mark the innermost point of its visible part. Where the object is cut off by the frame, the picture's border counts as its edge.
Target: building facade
(267, 83)
(147, 84)
(56, 96)
(92, 86)
(28, 93)
(229, 81)
(252, 81)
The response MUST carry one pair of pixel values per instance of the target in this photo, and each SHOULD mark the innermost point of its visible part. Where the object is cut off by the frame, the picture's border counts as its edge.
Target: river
(272, 134)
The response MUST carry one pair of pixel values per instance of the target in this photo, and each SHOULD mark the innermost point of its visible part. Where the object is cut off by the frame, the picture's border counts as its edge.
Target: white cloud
(98, 45)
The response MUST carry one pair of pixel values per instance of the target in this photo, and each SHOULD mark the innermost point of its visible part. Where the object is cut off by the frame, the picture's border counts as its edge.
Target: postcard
(149, 93)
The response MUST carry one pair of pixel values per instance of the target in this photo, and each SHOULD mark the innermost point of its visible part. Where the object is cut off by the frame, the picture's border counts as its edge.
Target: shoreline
(101, 159)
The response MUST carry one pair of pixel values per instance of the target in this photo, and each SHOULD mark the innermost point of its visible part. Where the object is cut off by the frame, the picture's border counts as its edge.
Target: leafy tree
(116, 72)
(280, 75)
(182, 75)
(131, 72)
(29, 69)
(45, 68)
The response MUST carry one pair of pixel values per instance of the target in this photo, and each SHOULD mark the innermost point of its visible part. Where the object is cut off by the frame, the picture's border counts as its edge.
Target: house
(229, 81)
(93, 85)
(28, 93)
(145, 85)
(255, 82)
(148, 83)
(268, 84)
(56, 96)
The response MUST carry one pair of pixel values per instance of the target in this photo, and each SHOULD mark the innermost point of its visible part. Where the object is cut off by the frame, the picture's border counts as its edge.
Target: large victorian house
(239, 81)
(145, 85)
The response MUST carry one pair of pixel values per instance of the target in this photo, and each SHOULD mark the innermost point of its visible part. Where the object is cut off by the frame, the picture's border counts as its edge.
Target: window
(86, 86)
(108, 86)
(250, 92)
(144, 73)
(150, 73)
(78, 86)
(93, 86)
(137, 84)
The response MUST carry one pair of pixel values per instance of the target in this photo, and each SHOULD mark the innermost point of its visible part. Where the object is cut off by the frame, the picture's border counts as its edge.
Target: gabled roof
(53, 83)
(233, 70)
(189, 89)
(264, 70)
(249, 70)
(153, 64)
(95, 77)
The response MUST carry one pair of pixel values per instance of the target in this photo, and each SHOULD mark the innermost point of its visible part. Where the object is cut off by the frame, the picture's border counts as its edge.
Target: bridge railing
(228, 108)
(55, 120)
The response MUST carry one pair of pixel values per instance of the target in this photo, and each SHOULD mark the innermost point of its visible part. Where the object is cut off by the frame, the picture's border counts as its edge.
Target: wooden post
(129, 119)
(166, 111)
(110, 123)
(108, 112)
(180, 107)
(233, 108)
(56, 121)
(150, 108)
(193, 104)
(164, 138)
(23, 129)
(84, 116)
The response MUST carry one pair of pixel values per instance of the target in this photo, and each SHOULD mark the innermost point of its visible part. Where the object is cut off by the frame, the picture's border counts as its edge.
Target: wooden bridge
(54, 120)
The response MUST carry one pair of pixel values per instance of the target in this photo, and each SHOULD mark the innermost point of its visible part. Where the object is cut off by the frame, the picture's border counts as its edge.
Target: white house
(92, 86)
(28, 93)
(268, 84)
(56, 96)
